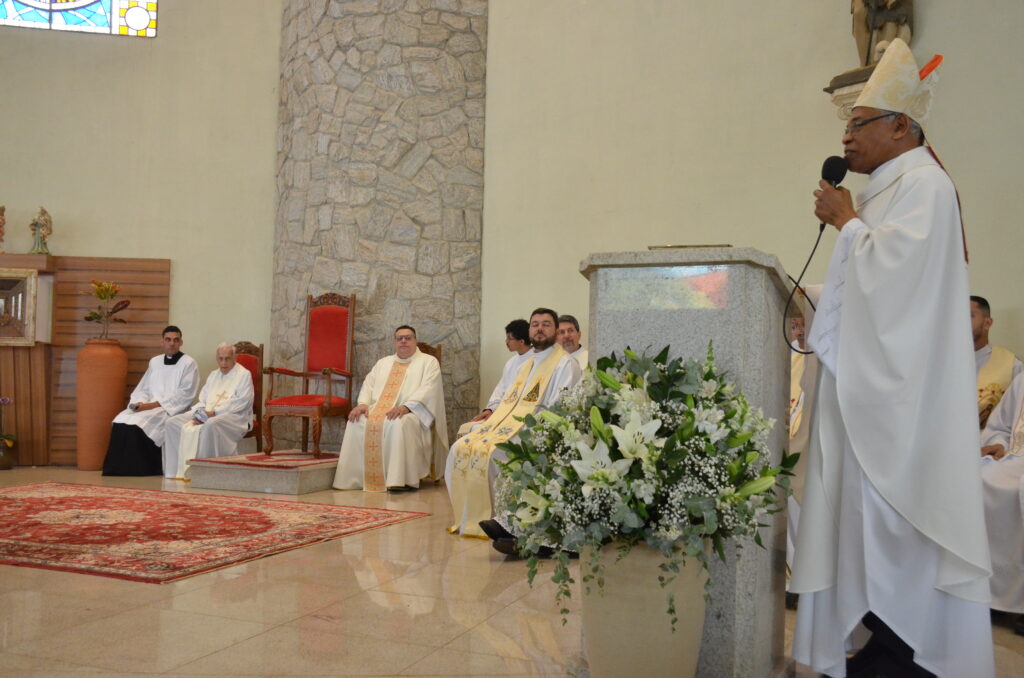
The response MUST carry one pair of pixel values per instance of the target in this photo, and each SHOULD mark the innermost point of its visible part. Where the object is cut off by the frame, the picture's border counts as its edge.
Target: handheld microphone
(833, 170)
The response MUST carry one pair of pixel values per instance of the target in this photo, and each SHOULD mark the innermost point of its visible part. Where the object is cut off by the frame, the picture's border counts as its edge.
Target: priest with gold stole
(1002, 479)
(996, 366)
(398, 433)
(892, 532)
(470, 471)
(218, 421)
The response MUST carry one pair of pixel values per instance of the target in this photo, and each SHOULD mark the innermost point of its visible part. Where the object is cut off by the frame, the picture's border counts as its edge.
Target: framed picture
(18, 306)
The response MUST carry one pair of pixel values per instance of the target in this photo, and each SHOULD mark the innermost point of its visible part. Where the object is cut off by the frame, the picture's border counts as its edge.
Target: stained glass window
(134, 18)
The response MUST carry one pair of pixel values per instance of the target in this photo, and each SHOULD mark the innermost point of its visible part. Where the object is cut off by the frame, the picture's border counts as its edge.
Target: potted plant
(101, 378)
(645, 467)
(6, 439)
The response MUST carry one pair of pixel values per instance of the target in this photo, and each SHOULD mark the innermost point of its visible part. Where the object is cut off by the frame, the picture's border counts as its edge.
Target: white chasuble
(376, 452)
(892, 520)
(173, 386)
(470, 470)
(1003, 484)
(230, 398)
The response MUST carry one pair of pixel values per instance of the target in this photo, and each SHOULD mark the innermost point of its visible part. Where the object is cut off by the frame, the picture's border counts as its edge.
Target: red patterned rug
(158, 537)
(286, 460)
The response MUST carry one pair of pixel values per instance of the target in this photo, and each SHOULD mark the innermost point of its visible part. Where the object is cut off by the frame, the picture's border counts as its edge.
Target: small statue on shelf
(3, 222)
(41, 227)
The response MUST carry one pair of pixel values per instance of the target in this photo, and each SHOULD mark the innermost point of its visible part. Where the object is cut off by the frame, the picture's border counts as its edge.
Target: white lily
(596, 468)
(535, 508)
(634, 439)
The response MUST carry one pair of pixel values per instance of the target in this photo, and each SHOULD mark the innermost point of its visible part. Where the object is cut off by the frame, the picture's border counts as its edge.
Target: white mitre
(897, 85)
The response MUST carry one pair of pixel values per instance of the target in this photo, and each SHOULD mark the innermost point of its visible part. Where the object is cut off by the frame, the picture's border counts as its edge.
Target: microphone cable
(796, 286)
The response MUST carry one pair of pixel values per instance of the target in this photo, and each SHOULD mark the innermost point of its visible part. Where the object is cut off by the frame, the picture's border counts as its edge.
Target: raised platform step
(284, 472)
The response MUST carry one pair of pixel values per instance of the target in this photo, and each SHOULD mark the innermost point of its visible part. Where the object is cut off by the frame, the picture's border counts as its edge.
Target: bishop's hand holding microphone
(833, 205)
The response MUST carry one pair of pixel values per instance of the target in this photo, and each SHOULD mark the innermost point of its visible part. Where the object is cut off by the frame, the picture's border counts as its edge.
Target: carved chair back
(250, 356)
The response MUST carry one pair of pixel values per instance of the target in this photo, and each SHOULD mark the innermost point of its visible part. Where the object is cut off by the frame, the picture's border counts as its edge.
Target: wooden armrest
(285, 371)
(327, 371)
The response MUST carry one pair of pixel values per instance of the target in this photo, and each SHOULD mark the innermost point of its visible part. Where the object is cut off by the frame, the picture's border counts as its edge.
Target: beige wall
(154, 148)
(615, 125)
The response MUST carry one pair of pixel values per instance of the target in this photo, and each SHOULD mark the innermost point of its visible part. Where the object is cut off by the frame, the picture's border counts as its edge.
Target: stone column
(380, 179)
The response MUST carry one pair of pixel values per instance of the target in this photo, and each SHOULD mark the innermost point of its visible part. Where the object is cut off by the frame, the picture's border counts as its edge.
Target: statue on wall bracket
(875, 24)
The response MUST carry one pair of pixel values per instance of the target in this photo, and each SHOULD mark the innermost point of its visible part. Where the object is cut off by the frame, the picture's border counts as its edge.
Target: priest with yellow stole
(892, 532)
(1002, 479)
(398, 432)
(996, 366)
(470, 471)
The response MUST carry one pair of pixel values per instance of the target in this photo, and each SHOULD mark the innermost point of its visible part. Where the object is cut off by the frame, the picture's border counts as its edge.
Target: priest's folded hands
(995, 451)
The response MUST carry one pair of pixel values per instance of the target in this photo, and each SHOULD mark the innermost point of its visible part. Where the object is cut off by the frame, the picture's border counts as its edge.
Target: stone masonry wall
(380, 181)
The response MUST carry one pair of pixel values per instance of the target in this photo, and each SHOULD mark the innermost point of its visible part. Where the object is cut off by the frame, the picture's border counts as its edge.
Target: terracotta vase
(102, 375)
(626, 629)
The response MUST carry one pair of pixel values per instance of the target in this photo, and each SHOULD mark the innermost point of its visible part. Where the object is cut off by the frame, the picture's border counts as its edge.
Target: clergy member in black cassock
(167, 388)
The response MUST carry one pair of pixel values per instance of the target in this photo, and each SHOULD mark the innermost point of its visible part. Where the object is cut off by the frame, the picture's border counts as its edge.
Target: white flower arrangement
(641, 450)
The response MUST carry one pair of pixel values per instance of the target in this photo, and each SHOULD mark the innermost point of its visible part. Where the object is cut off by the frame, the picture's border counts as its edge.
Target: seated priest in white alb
(470, 471)
(569, 337)
(996, 366)
(1002, 479)
(218, 421)
(517, 341)
(398, 433)
(167, 388)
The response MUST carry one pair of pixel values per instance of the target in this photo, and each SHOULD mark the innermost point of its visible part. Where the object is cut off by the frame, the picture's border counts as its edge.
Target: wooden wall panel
(147, 283)
(24, 374)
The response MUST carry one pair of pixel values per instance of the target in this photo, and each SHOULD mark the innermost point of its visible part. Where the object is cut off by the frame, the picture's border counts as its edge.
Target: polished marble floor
(407, 600)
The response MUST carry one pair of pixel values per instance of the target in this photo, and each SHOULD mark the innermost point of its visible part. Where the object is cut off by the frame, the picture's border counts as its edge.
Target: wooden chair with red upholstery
(435, 351)
(250, 356)
(329, 337)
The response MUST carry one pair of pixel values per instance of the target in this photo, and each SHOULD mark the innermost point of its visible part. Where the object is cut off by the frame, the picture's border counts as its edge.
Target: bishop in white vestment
(218, 421)
(167, 388)
(1002, 477)
(398, 432)
(892, 530)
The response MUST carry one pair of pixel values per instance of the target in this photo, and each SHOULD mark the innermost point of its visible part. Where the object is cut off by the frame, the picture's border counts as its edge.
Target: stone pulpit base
(684, 297)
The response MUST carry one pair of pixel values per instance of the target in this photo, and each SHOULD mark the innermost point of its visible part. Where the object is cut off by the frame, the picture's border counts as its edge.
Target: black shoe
(865, 663)
(398, 488)
(1018, 626)
(505, 545)
(494, 530)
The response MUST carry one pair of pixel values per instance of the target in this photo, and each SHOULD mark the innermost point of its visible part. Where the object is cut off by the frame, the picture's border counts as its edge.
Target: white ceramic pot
(626, 629)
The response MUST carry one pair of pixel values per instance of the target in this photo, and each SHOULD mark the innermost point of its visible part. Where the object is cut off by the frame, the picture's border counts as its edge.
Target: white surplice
(230, 397)
(892, 519)
(413, 444)
(173, 386)
(581, 356)
(1003, 485)
(566, 374)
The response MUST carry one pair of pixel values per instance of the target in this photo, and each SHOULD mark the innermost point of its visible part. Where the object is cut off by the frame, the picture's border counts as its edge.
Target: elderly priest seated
(399, 426)
(219, 420)
(167, 388)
